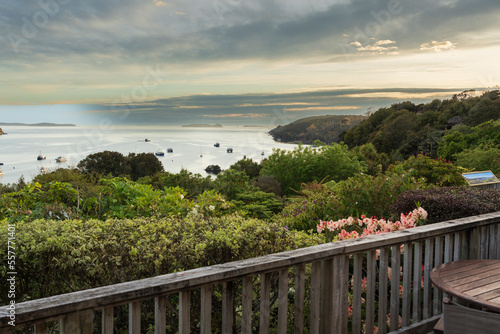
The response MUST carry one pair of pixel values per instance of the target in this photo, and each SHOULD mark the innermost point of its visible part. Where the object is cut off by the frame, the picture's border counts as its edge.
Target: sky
(263, 62)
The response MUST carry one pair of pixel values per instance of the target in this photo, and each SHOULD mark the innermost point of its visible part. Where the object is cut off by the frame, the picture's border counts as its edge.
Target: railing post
(227, 307)
(107, 320)
(314, 318)
(206, 310)
(79, 322)
(160, 314)
(299, 298)
(246, 307)
(334, 294)
(283, 301)
(265, 295)
(134, 317)
(184, 312)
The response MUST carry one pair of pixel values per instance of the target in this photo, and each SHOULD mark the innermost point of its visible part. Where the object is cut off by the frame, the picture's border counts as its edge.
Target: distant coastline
(202, 126)
(35, 124)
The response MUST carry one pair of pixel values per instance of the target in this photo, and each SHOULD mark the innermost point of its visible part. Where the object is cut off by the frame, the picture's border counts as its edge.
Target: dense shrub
(437, 172)
(316, 203)
(372, 195)
(63, 256)
(449, 202)
(306, 164)
(193, 184)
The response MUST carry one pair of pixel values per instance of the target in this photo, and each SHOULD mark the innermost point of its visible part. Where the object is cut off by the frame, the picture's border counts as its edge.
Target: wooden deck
(345, 285)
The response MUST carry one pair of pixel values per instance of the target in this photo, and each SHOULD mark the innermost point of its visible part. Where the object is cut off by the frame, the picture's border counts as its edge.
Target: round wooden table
(473, 281)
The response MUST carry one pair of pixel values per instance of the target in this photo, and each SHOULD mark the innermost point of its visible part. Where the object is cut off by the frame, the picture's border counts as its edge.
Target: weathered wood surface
(473, 281)
(118, 294)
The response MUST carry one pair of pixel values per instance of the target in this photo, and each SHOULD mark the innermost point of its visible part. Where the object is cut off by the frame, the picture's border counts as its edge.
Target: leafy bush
(303, 213)
(372, 195)
(122, 198)
(480, 158)
(449, 202)
(437, 172)
(63, 256)
(193, 184)
(306, 164)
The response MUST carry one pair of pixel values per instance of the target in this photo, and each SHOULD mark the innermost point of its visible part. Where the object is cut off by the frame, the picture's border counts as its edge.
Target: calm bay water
(21, 146)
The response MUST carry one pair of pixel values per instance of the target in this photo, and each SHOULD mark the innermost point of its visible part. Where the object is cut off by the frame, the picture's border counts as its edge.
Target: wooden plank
(356, 293)
(407, 275)
(457, 246)
(206, 310)
(371, 272)
(327, 291)
(265, 303)
(283, 301)
(300, 275)
(227, 307)
(79, 322)
(134, 317)
(184, 312)
(315, 297)
(382, 291)
(107, 320)
(492, 242)
(395, 286)
(246, 307)
(417, 282)
(438, 259)
(160, 314)
(428, 265)
(97, 298)
(340, 297)
(483, 244)
(40, 328)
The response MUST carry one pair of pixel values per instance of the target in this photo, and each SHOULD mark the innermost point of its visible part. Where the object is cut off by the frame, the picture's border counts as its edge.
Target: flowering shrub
(352, 228)
(446, 203)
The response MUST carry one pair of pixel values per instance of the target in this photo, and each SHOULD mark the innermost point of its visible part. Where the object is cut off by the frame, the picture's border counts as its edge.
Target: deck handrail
(427, 245)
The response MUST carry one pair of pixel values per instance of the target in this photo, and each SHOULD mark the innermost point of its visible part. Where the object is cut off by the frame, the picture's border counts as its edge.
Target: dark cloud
(137, 30)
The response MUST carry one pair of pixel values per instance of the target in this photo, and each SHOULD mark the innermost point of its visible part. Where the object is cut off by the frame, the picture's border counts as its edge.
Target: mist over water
(21, 146)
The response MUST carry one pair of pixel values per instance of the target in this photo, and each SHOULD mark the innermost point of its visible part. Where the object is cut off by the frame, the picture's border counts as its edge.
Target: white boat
(61, 159)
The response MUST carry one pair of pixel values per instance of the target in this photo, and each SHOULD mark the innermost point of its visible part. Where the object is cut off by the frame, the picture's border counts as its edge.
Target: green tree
(248, 166)
(231, 182)
(480, 158)
(143, 164)
(306, 164)
(104, 163)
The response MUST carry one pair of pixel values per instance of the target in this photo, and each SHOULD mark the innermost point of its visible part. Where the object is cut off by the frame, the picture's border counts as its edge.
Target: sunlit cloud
(436, 46)
(379, 46)
(159, 3)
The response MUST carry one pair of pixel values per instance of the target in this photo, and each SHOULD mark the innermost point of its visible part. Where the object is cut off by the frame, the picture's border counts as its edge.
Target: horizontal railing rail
(360, 285)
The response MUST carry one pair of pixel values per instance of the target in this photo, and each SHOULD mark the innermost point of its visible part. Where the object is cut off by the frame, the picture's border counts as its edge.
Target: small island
(35, 124)
(202, 126)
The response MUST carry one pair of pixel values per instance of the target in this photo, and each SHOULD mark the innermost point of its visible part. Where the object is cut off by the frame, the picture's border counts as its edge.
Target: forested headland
(116, 218)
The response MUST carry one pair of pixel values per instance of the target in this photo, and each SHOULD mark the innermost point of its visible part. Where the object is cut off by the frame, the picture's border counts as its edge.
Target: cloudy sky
(232, 61)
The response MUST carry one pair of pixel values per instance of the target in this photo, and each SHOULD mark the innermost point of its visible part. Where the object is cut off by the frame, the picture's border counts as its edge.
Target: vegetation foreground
(117, 218)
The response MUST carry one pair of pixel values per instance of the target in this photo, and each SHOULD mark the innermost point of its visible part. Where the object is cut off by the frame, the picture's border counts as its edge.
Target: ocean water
(21, 145)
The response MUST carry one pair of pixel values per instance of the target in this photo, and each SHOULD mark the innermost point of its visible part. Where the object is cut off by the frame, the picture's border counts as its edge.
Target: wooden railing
(349, 286)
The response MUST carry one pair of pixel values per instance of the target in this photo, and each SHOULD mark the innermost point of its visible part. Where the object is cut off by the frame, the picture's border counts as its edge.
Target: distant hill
(325, 128)
(202, 126)
(35, 124)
